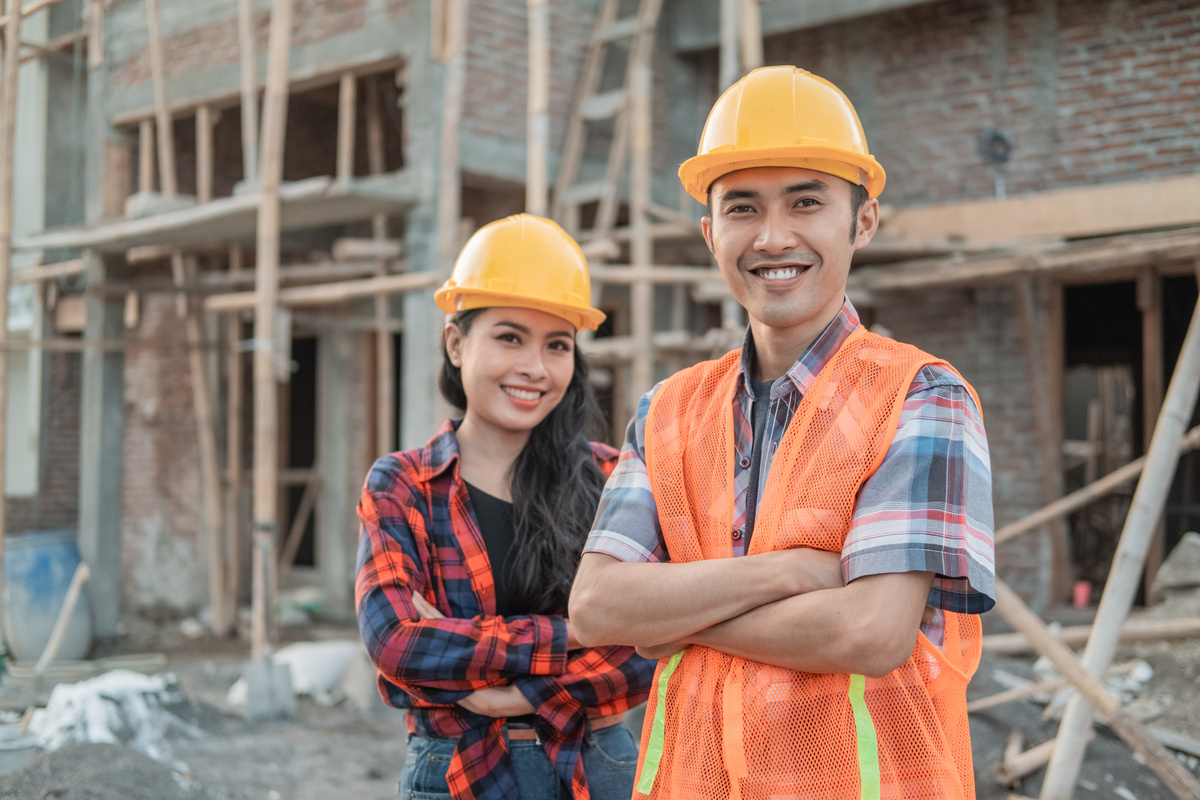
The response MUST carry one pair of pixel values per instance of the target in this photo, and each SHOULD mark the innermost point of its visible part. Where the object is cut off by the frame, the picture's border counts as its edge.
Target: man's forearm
(868, 627)
(615, 602)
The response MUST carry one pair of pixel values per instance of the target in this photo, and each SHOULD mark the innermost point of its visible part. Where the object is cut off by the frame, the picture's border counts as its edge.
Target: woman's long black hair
(555, 487)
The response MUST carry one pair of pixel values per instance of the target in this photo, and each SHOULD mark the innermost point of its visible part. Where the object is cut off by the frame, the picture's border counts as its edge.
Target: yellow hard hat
(782, 117)
(526, 262)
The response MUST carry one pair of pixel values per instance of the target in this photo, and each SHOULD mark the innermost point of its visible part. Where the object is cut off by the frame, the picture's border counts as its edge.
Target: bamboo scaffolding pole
(1133, 630)
(266, 312)
(347, 106)
(204, 153)
(537, 124)
(162, 111)
(8, 136)
(32, 8)
(1149, 300)
(210, 474)
(385, 355)
(1010, 606)
(291, 544)
(751, 34)
(728, 70)
(146, 156)
(326, 293)
(641, 305)
(1144, 513)
(233, 460)
(249, 92)
(1000, 698)
(449, 201)
(1093, 491)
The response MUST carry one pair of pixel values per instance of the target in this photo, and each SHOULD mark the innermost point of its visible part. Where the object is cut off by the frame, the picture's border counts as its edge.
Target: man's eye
(808, 202)
(739, 209)
(566, 348)
(509, 337)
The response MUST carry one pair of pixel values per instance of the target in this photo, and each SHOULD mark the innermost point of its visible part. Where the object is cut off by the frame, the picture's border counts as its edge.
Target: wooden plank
(47, 272)
(1081, 497)
(347, 110)
(1084, 211)
(1020, 693)
(265, 304)
(1132, 630)
(146, 156)
(308, 502)
(1010, 606)
(351, 249)
(1149, 299)
(1129, 561)
(118, 177)
(249, 94)
(210, 475)
(162, 111)
(8, 136)
(326, 293)
(204, 154)
(537, 121)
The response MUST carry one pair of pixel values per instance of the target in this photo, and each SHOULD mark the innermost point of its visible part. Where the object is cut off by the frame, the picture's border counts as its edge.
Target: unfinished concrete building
(1041, 232)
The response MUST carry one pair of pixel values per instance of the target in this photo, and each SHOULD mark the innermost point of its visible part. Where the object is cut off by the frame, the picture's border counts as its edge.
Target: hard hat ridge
(782, 117)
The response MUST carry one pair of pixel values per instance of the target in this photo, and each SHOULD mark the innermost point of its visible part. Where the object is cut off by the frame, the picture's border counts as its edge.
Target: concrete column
(337, 527)
(102, 446)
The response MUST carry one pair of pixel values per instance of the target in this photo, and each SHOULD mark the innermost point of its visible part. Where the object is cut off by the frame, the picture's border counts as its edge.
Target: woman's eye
(560, 345)
(509, 337)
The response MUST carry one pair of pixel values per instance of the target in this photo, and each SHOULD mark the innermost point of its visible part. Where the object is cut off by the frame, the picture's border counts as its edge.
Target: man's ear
(454, 340)
(706, 229)
(868, 223)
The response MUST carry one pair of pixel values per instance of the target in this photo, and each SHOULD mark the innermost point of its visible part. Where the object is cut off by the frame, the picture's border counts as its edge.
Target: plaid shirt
(420, 535)
(927, 508)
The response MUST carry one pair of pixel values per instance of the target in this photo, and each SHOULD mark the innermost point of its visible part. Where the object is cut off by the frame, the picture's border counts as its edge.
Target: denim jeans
(609, 761)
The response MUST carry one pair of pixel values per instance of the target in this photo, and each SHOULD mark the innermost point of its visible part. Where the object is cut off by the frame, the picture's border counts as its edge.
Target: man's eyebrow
(739, 194)
(807, 186)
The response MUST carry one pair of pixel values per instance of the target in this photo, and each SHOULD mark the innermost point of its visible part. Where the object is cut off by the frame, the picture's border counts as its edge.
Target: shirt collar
(818, 354)
(441, 452)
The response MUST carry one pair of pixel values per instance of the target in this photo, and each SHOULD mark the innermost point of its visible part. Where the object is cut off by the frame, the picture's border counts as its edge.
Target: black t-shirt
(495, 518)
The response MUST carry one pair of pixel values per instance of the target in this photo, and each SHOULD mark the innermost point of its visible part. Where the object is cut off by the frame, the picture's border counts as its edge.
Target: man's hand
(499, 701)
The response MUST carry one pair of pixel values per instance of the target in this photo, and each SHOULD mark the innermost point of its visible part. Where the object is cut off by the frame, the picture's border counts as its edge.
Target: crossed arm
(789, 608)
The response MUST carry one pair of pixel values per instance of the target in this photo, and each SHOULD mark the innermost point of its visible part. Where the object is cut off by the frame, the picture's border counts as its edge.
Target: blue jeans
(609, 761)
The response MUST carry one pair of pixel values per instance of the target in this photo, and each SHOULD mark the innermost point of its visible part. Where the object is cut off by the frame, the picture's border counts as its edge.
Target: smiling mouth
(781, 273)
(521, 394)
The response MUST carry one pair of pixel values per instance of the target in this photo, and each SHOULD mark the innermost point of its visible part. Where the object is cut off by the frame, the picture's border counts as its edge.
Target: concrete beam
(336, 523)
(102, 447)
(696, 25)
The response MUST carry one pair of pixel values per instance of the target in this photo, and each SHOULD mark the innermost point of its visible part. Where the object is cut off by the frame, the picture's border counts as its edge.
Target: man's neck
(776, 350)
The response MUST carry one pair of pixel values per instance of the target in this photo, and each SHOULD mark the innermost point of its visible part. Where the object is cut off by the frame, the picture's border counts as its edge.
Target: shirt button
(744, 462)
(737, 534)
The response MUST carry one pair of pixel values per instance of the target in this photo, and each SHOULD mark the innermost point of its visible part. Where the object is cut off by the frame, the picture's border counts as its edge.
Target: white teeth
(522, 395)
(779, 274)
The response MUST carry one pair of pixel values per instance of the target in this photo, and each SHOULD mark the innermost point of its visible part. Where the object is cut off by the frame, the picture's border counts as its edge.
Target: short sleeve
(929, 505)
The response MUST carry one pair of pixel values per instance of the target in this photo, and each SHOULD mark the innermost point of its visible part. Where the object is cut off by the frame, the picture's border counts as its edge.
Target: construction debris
(1181, 571)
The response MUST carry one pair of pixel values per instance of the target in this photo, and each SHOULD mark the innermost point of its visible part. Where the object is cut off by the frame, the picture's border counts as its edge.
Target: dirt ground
(342, 751)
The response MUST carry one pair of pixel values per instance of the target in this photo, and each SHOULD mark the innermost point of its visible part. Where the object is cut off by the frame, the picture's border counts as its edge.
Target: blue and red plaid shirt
(419, 534)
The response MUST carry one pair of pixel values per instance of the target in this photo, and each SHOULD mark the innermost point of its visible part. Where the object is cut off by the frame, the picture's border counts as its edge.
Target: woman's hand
(499, 701)
(424, 608)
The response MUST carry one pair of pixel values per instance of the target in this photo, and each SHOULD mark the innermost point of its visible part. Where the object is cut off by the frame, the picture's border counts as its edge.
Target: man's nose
(776, 235)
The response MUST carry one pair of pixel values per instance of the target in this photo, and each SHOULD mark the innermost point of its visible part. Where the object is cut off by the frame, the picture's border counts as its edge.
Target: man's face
(782, 239)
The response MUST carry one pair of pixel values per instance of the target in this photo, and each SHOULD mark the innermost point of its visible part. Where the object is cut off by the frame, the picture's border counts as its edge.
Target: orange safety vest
(719, 726)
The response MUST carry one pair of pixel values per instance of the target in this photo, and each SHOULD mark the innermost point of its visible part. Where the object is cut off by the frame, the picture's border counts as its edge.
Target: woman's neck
(486, 455)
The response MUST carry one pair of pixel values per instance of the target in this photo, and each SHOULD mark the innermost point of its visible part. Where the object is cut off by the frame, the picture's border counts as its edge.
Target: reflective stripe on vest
(725, 727)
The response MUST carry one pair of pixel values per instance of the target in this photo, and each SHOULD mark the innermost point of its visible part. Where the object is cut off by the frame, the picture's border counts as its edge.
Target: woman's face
(516, 365)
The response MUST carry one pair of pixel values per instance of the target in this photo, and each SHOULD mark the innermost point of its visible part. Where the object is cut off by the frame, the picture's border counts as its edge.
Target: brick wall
(498, 66)
(1090, 91)
(974, 331)
(57, 503)
(162, 555)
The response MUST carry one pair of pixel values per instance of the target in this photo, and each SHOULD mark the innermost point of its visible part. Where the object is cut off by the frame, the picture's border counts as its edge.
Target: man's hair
(858, 196)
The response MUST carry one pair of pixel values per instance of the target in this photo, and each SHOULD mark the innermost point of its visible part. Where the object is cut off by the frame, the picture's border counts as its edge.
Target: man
(849, 473)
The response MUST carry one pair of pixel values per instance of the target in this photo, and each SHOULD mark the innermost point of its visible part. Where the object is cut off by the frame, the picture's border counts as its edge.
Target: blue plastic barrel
(38, 566)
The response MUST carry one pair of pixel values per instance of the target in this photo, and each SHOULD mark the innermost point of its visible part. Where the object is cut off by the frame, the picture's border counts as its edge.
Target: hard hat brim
(699, 172)
(455, 299)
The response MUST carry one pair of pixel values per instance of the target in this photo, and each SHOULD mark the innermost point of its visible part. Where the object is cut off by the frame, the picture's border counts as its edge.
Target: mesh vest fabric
(734, 728)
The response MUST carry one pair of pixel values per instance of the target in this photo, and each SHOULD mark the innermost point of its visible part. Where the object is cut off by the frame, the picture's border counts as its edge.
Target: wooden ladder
(593, 106)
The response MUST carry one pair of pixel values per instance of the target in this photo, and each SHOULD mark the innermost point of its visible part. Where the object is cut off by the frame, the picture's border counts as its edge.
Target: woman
(469, 545)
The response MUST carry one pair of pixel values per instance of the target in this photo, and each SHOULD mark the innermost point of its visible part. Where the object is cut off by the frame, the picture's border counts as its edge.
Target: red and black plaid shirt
(419, 534)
